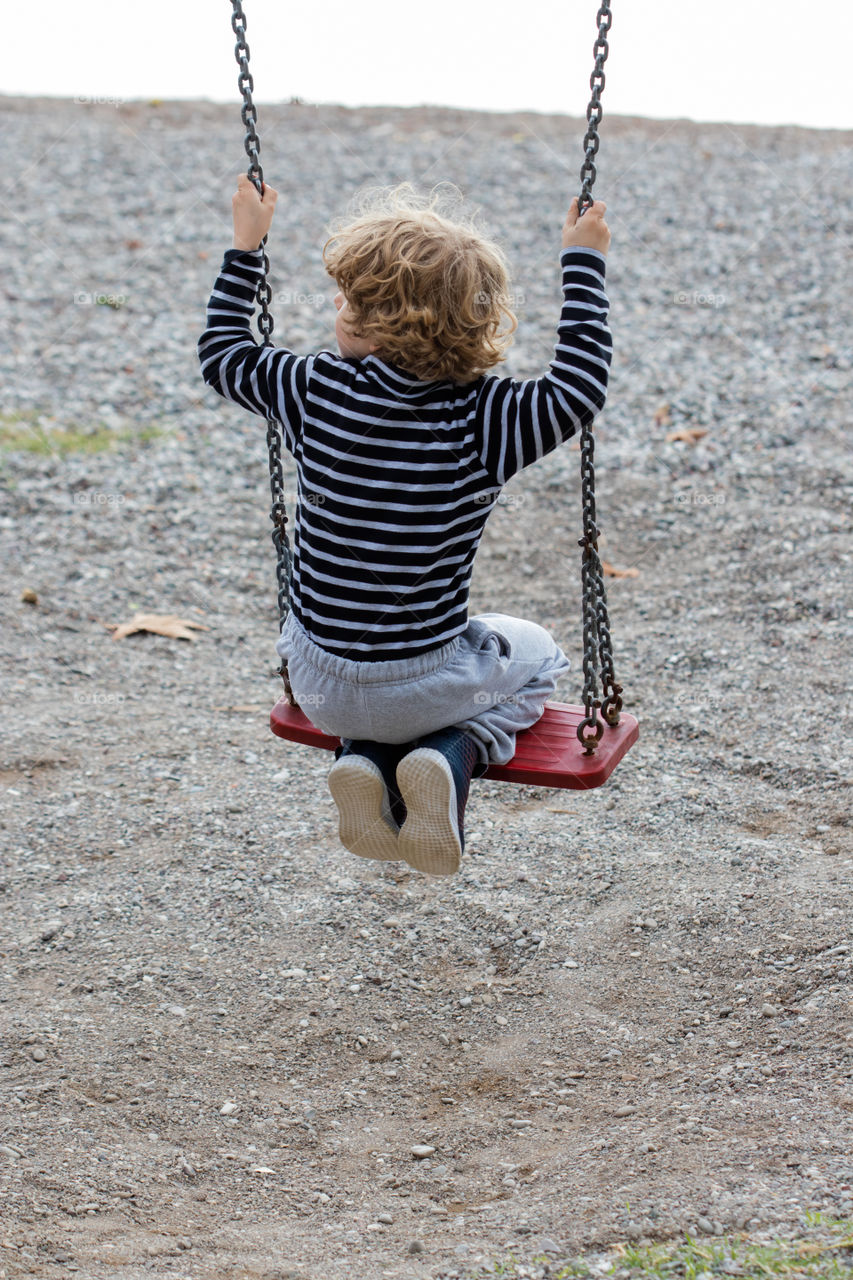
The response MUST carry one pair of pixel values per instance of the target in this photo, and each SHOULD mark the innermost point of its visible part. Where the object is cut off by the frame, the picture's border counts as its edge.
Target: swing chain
(594, 112)
(596, 623)
(278, 512)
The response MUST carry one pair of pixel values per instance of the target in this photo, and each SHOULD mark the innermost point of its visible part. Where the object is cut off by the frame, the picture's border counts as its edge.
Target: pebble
(415, 1246)
(38, 1053)
(627, 1109)
(228, 1109)
(770, 1011)
(422, 1151)
(385, 1218)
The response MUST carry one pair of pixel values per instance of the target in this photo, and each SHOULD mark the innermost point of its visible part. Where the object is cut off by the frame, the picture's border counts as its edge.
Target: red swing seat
(548, 754)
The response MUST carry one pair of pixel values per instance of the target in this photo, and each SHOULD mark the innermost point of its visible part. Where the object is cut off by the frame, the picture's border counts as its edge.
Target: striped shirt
(396, 477)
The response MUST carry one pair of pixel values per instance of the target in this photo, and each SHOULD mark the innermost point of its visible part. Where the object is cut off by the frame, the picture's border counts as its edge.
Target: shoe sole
(358, 790)
(429, 839)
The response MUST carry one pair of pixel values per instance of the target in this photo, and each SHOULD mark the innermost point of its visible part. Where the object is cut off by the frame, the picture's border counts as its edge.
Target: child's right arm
(521, 421)
(270, 381)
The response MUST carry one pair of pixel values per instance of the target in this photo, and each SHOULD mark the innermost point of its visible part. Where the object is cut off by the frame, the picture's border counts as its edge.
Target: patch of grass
(824, 1251)
(27, 432)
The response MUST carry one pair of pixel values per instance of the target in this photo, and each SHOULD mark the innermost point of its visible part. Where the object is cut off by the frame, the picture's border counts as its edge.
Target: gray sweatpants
(492, 681)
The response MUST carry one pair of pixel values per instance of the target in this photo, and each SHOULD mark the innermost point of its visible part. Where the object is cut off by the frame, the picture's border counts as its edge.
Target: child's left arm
(270, 381)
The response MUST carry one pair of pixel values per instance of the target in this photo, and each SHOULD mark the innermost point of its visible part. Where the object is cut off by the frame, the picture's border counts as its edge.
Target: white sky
(758, 61)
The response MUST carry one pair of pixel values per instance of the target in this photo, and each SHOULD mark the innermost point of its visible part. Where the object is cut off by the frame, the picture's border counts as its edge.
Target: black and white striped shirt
(397, 477)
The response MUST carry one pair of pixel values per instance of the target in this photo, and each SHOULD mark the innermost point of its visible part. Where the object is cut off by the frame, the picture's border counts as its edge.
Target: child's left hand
(252, 215)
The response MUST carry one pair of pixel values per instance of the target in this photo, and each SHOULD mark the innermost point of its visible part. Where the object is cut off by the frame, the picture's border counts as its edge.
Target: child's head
(426, 292)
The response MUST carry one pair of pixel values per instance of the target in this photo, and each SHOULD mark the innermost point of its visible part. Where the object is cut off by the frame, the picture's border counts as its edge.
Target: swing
(570, 746)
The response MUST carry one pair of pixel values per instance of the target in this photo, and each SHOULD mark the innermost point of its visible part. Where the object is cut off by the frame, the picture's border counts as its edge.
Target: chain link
(596, 623)
(278, 513)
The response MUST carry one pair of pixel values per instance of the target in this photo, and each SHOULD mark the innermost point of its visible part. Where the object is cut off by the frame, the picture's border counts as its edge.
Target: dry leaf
(688, 434)
(611, 571)
(159, 624)
(663, 417)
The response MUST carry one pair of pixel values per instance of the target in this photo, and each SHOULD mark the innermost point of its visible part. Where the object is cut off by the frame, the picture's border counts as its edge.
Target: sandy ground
(221, 1036)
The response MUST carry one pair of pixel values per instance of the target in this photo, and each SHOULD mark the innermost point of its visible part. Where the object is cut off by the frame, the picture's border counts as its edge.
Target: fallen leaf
(159, 624)
(688, 434)
(610, 571)
(663, 417)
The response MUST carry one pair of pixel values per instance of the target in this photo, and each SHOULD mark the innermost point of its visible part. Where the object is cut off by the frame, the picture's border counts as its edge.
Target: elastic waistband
(352, 672)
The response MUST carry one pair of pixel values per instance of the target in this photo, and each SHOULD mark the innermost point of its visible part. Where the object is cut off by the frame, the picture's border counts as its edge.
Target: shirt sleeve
(271, 381)
(518, 422)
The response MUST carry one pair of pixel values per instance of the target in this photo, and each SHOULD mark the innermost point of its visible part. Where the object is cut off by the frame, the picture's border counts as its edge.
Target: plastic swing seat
(548, 754)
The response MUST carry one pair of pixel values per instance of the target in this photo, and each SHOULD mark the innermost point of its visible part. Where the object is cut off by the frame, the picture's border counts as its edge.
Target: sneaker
(434, 780)
(370, 809)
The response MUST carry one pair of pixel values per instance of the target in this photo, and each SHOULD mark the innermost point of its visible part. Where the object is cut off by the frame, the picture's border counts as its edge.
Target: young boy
(402, 444)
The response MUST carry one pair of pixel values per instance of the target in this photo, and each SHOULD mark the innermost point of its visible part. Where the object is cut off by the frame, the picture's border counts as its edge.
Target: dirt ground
(228, 1049)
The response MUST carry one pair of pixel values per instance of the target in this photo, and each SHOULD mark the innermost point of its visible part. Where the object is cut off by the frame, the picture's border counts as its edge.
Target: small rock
(228, 1109)
(415, 1246)
(385, 1218)
(422, 1152)
(626, 1110)
(38, 1053)
(547, 1245)
(770, 1011)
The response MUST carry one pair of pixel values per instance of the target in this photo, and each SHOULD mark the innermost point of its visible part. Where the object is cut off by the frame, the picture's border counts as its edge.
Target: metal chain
(278, 513)
(596, 623)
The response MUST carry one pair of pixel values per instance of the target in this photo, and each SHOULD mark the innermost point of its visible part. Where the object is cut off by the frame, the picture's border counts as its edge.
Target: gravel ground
(230, 1049)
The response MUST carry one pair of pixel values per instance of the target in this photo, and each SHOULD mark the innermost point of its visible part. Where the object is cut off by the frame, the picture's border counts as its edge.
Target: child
(402, 443)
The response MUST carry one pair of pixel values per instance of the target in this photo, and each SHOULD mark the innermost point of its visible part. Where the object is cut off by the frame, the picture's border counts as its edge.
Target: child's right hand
(588, 232)
(252, 213)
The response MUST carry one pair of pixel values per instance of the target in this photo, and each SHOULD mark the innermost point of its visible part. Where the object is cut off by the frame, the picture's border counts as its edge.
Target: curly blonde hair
(429, 290)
